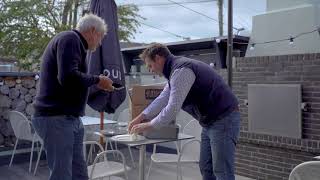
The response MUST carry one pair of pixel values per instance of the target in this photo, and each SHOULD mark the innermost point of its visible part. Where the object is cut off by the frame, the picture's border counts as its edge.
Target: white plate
(127, 138)
(123, 124)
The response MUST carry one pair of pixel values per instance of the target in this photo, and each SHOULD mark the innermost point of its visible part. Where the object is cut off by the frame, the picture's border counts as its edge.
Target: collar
(168, 66)
(83, 40)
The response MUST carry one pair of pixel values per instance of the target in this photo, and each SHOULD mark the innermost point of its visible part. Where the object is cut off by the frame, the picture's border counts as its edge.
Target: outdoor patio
(159, 171)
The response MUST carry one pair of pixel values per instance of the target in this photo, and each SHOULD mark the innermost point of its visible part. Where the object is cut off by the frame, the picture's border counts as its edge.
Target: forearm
(158, 104)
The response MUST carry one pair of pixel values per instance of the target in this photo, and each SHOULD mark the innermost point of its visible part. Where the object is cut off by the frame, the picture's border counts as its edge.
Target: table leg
(141, 162)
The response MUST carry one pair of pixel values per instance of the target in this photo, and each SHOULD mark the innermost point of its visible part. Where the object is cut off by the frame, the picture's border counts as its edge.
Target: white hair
(90, 20)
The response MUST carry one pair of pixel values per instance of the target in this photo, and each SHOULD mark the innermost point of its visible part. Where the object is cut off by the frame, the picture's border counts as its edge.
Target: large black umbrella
(107, 60)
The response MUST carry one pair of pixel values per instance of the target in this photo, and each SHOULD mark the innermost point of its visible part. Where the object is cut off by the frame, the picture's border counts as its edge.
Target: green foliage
(128, 23)
(28, 25)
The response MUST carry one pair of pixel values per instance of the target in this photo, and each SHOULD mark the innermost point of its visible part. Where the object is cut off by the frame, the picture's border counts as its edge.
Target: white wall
(282, 20)
(282, 4)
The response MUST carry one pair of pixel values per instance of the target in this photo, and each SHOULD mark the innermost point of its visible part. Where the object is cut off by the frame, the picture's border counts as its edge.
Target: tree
(28, 25)
(128, 23)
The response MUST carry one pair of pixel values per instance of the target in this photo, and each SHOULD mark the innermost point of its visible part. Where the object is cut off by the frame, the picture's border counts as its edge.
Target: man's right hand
(105, 83)
(135, 121)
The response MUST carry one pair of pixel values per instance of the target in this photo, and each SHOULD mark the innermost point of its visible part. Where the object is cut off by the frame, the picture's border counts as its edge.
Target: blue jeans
(218, 142)
(63, 142)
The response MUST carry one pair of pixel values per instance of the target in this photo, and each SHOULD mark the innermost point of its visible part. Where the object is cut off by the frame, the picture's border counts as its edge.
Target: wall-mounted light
(304, 106)
(36, 77)
(218, 40)
(252, 46)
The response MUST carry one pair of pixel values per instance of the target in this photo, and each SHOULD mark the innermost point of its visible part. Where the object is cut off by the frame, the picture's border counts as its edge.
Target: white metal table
(88, 120)
(92, 124)
(142, 151)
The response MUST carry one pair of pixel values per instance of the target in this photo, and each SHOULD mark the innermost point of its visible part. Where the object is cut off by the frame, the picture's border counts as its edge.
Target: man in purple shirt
(196, 88)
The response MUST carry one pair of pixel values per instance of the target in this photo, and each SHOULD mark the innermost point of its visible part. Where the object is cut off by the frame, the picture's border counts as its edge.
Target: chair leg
(180, 169)
(14, 151)
(131, 156)
(126, 175)
(39, 155)
(116, 148)
(31, 156)
(111, 147)
(148, 175)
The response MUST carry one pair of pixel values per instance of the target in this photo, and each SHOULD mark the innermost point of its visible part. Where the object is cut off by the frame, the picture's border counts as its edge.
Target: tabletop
(181, 136)
(88, 120)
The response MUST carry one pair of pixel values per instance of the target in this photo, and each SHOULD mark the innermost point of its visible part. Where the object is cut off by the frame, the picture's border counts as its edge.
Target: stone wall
(269, 157)
(17, 92)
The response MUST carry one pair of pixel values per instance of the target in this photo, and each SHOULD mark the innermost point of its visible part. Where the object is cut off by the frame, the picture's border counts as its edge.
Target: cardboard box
(142, 96)
(137, 109)
(145, 94)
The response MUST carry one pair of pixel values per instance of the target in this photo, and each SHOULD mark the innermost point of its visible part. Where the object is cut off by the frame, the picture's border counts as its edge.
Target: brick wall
(262, 156)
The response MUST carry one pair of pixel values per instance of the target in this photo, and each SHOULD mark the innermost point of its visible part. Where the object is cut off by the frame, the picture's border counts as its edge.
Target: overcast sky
(186, 23)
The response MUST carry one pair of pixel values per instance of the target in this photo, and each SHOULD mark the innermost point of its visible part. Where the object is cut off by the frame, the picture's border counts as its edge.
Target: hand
(105, 83)
(139, 128)
(135, 121)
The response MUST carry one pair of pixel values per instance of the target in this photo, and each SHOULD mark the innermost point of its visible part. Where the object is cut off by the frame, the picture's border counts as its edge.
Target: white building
(282, 20)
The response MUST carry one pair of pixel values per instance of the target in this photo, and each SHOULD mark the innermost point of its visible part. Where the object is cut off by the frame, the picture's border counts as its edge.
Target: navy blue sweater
(64, 80)
(209, 98)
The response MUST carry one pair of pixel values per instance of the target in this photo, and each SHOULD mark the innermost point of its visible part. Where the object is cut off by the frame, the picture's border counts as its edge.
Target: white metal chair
(306, 171)
(188, 153)
(22, 130)
(101, 166)
(123, 120)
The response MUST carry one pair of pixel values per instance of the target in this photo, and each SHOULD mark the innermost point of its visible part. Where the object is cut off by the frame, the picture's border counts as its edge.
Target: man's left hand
(141, 127)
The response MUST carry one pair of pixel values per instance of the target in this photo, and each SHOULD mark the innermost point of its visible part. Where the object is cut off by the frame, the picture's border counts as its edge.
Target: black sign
(152, 93)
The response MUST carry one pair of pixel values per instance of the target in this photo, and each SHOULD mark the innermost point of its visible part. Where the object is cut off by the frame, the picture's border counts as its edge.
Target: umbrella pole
(101, 125)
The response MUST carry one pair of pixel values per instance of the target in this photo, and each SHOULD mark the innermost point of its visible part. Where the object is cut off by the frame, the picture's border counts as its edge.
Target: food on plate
(133, 137)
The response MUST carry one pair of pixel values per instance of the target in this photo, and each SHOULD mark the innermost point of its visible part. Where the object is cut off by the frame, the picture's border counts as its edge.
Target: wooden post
(101, 125)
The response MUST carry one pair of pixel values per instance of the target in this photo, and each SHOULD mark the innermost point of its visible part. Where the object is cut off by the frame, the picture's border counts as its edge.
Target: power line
(198, 12)
(184, 38)
(290, 38)
(241, 19)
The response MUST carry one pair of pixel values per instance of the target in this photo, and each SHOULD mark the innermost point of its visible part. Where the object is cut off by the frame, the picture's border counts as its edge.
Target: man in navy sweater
(196, 88)
(62, 97)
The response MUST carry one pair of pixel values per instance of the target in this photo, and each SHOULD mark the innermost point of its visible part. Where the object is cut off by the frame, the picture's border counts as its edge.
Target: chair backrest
(89, 154)
(306, 171)
(99, 165)
(124, 116)
(183, 118)
(21, 125)
(193, 128)
(193, 149)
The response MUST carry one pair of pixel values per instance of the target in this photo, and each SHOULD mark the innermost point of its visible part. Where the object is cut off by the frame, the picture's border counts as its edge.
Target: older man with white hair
(62, 97)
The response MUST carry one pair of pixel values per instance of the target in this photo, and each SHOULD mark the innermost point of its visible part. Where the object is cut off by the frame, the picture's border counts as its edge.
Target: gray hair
(90, 20)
